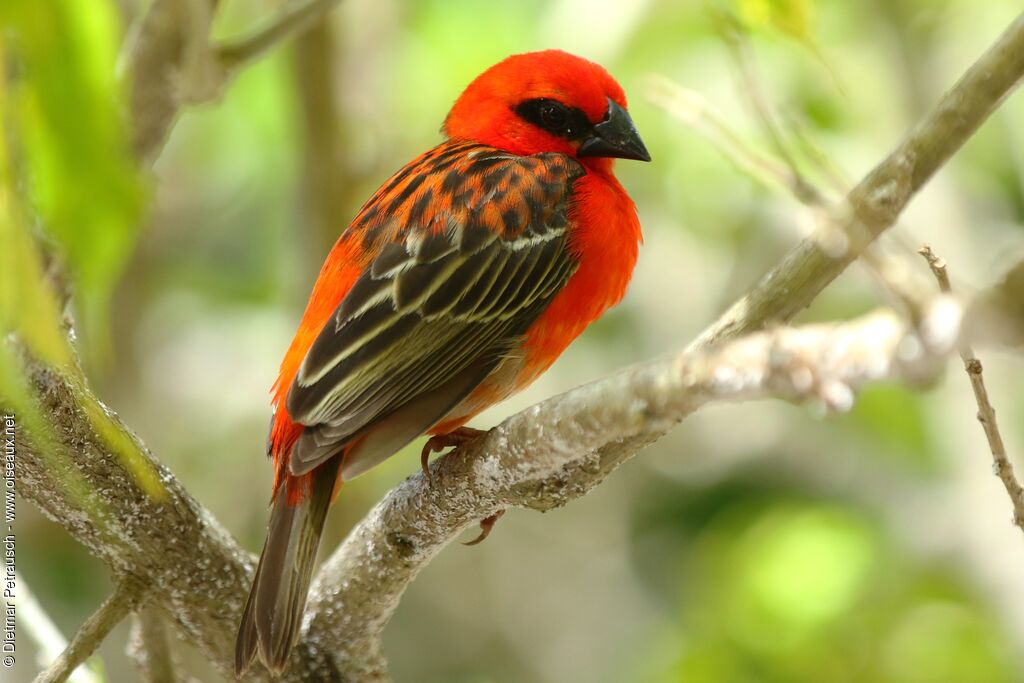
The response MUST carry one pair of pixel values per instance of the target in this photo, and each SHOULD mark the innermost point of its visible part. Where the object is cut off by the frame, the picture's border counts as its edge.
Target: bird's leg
(486, 524)
(439, 442)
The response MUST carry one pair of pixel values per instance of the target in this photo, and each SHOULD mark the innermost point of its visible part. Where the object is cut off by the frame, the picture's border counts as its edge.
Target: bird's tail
(273, 613)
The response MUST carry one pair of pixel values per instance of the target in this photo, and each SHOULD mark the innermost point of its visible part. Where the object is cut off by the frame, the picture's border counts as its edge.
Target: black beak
(616, 136)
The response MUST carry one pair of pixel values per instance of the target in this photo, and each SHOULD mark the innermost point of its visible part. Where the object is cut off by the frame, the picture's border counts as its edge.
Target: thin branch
(835, 175)
(741, 52)
(170, 61)
(887, 272)
(114, 609)
(49, 641)
(149, 647)
(294, 18)
(986, 413)
(694, 110)
(876, 202)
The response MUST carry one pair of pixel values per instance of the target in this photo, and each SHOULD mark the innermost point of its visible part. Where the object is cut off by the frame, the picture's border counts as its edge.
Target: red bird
(457, 284)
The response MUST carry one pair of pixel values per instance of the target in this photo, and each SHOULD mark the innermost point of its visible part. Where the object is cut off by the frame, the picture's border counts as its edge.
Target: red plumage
(458, 283)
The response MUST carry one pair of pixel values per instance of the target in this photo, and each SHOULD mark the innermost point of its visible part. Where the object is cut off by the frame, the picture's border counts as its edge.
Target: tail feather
(245, 643)
(272, 615)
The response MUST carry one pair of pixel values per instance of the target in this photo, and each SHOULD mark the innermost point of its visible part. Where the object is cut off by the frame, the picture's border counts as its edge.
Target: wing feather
(435, 303)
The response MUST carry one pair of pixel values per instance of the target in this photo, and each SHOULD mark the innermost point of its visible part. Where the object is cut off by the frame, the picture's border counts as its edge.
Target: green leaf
(80, 178)
(27, 304)
(29, 309)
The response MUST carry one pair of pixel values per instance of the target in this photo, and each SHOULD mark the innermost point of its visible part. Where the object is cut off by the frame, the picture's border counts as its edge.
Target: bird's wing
(475, 253)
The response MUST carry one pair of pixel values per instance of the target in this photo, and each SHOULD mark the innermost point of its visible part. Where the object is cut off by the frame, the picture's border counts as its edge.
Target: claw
(428, 448)
(439, 442)
(486, 524)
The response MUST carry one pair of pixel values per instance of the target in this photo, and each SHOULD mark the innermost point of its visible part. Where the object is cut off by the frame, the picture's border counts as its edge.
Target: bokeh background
(760, 542)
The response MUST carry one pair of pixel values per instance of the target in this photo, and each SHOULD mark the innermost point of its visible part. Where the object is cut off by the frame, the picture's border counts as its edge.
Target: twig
(44, 633)
(837, 178)
(693, 109)
(170, 61)
(876, 202)
(848, 230)
(114, 609)
(295, 17)
(149, 647)
(740, 49)
(986, 413)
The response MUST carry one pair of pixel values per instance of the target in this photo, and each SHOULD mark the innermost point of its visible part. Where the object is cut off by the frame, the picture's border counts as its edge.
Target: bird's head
(548, 101)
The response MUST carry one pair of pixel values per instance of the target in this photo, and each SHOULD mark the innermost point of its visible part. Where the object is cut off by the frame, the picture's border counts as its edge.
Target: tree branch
(114, 609)
(875, 203)
(202, 589)
(149, 647)
(541, 458)
(295, 17)
(326, 181)
(561, 448)
(986, 413)
(171, 61)
(49, 641)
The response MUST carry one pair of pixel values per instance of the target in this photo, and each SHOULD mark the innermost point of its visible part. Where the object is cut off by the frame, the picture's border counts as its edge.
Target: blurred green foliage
(77, 175)
(757, 543)
(909, 437)
(778, 587)
(67, 183)
(793, 18)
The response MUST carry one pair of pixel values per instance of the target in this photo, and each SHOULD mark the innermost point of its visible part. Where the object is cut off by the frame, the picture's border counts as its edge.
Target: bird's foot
(439, 442)
(486, 524)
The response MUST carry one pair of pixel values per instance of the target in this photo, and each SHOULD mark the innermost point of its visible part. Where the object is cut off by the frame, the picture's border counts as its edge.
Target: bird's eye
(554, 116)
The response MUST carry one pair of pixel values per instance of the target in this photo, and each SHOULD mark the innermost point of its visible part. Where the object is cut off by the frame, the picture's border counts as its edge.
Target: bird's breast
(604, 237)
